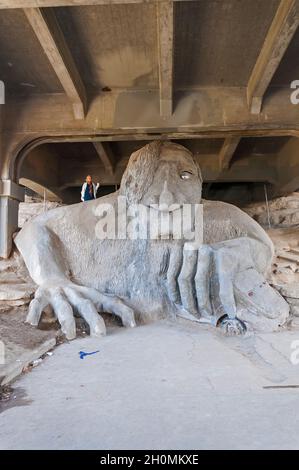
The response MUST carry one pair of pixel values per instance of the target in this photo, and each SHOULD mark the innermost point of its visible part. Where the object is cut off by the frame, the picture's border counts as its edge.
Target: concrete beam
(48, 115)
(165, 27)
(10, 196)
(41, 190)
(227, 152)
(50, 36)
(106, 156)
(8, 224)
(10, 189)
(66, 3)
(277, 40)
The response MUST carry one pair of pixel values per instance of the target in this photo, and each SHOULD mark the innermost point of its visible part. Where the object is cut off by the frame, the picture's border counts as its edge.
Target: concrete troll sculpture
(219, 281)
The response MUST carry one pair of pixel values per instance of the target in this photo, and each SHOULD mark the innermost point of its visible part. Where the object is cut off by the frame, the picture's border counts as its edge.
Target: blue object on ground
(82, 354)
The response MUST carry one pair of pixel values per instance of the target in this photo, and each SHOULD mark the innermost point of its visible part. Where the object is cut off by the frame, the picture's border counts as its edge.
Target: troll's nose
(166, 198)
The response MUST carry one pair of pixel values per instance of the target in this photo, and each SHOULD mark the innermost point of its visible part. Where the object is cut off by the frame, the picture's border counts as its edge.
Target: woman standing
(89, 189)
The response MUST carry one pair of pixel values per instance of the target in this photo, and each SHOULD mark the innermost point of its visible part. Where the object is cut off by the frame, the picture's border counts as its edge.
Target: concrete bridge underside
(87, 82)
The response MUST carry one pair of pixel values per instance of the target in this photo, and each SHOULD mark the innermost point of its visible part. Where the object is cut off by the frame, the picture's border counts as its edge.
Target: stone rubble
(284, 211)
(32, 207)
(16, 286)
(284, 232)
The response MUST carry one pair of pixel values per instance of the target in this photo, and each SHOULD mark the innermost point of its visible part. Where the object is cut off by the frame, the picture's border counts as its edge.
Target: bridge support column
(10, 196)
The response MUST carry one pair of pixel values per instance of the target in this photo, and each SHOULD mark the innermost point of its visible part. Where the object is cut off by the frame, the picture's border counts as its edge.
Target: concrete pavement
(160, 386)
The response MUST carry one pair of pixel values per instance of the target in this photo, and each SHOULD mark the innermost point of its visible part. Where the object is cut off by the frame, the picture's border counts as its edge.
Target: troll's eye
(186, 175)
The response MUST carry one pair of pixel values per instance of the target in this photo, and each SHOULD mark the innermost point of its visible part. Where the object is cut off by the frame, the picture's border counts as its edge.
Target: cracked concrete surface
(164, 385)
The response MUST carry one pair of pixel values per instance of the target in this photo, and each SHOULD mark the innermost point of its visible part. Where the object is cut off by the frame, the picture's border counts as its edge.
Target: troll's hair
(141, 169)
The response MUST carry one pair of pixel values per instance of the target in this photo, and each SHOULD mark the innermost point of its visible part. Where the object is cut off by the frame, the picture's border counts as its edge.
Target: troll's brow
(186, 167)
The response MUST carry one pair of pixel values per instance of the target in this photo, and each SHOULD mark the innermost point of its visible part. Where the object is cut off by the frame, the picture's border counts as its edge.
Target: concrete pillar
(10, 196)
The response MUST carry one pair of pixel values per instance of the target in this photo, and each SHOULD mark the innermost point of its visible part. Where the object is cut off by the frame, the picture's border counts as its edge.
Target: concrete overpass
(89, 81)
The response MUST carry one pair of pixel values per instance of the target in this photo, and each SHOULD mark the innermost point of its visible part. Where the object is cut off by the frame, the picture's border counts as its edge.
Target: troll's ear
(140, 172)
